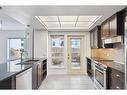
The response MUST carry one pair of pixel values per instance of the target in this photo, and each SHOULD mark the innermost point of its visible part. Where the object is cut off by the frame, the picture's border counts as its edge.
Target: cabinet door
(105, 29)
(39, 73)
(24, 80)
(34, 76)
(102, 29)
(95, 39)
(116, 79)
(91, 39)
(113, 26)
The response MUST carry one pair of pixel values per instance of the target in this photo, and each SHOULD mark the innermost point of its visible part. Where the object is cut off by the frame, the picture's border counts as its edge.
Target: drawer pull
(117, 87)
(117, 75)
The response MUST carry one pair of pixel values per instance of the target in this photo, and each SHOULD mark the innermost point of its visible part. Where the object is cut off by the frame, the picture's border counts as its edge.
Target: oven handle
(100, 70)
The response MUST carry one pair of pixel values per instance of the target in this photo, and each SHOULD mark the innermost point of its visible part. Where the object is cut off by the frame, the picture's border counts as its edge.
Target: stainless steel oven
(100, 76)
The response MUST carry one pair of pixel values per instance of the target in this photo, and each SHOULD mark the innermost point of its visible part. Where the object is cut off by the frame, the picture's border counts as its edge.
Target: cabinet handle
(117, 75)
(117, 87)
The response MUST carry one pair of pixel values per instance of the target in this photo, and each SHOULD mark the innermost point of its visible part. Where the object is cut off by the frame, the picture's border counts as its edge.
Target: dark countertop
(109, 63)
(11, 68)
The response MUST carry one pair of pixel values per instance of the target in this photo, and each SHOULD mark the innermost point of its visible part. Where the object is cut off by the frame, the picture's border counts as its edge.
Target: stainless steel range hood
(117, 39)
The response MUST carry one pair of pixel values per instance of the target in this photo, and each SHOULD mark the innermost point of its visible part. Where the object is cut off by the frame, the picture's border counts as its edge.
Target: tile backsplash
(116, 53)
(103, 53)
(119, 53)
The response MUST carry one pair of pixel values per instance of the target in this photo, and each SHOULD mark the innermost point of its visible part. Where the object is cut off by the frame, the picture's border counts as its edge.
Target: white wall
(86, 51)
(29, 42)
(40, 44)
(4, 35)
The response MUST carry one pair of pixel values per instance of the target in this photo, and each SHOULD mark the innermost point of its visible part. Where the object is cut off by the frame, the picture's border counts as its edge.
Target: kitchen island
(30, 70)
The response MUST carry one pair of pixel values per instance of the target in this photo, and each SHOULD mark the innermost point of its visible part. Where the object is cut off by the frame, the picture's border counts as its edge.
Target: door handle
(68, 56)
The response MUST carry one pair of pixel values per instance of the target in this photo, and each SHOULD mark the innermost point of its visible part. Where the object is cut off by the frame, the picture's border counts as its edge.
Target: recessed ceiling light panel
(68, 22)
(68, 18)
(51, 18)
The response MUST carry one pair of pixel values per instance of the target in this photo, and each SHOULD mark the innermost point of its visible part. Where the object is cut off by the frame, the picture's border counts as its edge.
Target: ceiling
(8, 23)
(68, 22)
(26, 14)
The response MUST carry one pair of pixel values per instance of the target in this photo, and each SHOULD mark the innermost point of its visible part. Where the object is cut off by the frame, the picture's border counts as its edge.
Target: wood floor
(67, 82)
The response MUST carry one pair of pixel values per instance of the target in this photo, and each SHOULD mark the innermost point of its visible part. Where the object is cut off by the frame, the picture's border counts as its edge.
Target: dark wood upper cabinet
(95, 37)
(117, 24)
(105, 29)
(113, 26)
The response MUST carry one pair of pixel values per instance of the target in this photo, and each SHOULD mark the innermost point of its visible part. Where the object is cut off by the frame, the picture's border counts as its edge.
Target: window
(15, 46)
(75, 43)
(75, 53)
(57, 42)
(57, 51)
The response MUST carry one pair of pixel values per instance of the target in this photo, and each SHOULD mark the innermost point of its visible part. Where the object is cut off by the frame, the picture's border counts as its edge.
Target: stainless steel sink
(27, 62)
(30, 61)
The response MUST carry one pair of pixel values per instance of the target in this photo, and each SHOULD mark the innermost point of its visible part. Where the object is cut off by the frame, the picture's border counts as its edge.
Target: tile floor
(67, 82)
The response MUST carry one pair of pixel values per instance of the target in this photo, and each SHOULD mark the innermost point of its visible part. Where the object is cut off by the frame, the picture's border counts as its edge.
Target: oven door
(100, 78)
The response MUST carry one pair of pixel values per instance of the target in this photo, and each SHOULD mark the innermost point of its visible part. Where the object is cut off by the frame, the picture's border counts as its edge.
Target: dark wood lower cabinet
(9, 83)
(116, 79)
(44, 69)
(90, 70)
(116, 84)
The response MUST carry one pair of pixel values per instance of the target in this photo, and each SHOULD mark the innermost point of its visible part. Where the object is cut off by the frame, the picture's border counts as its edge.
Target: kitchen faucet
(21, 53)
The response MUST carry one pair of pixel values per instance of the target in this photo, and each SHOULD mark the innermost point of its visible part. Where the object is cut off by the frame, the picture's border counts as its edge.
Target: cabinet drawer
(116, 84)
(117, 75)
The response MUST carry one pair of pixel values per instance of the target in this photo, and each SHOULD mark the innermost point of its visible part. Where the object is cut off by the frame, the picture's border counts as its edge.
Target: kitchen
(63, 44)
(107, 60)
